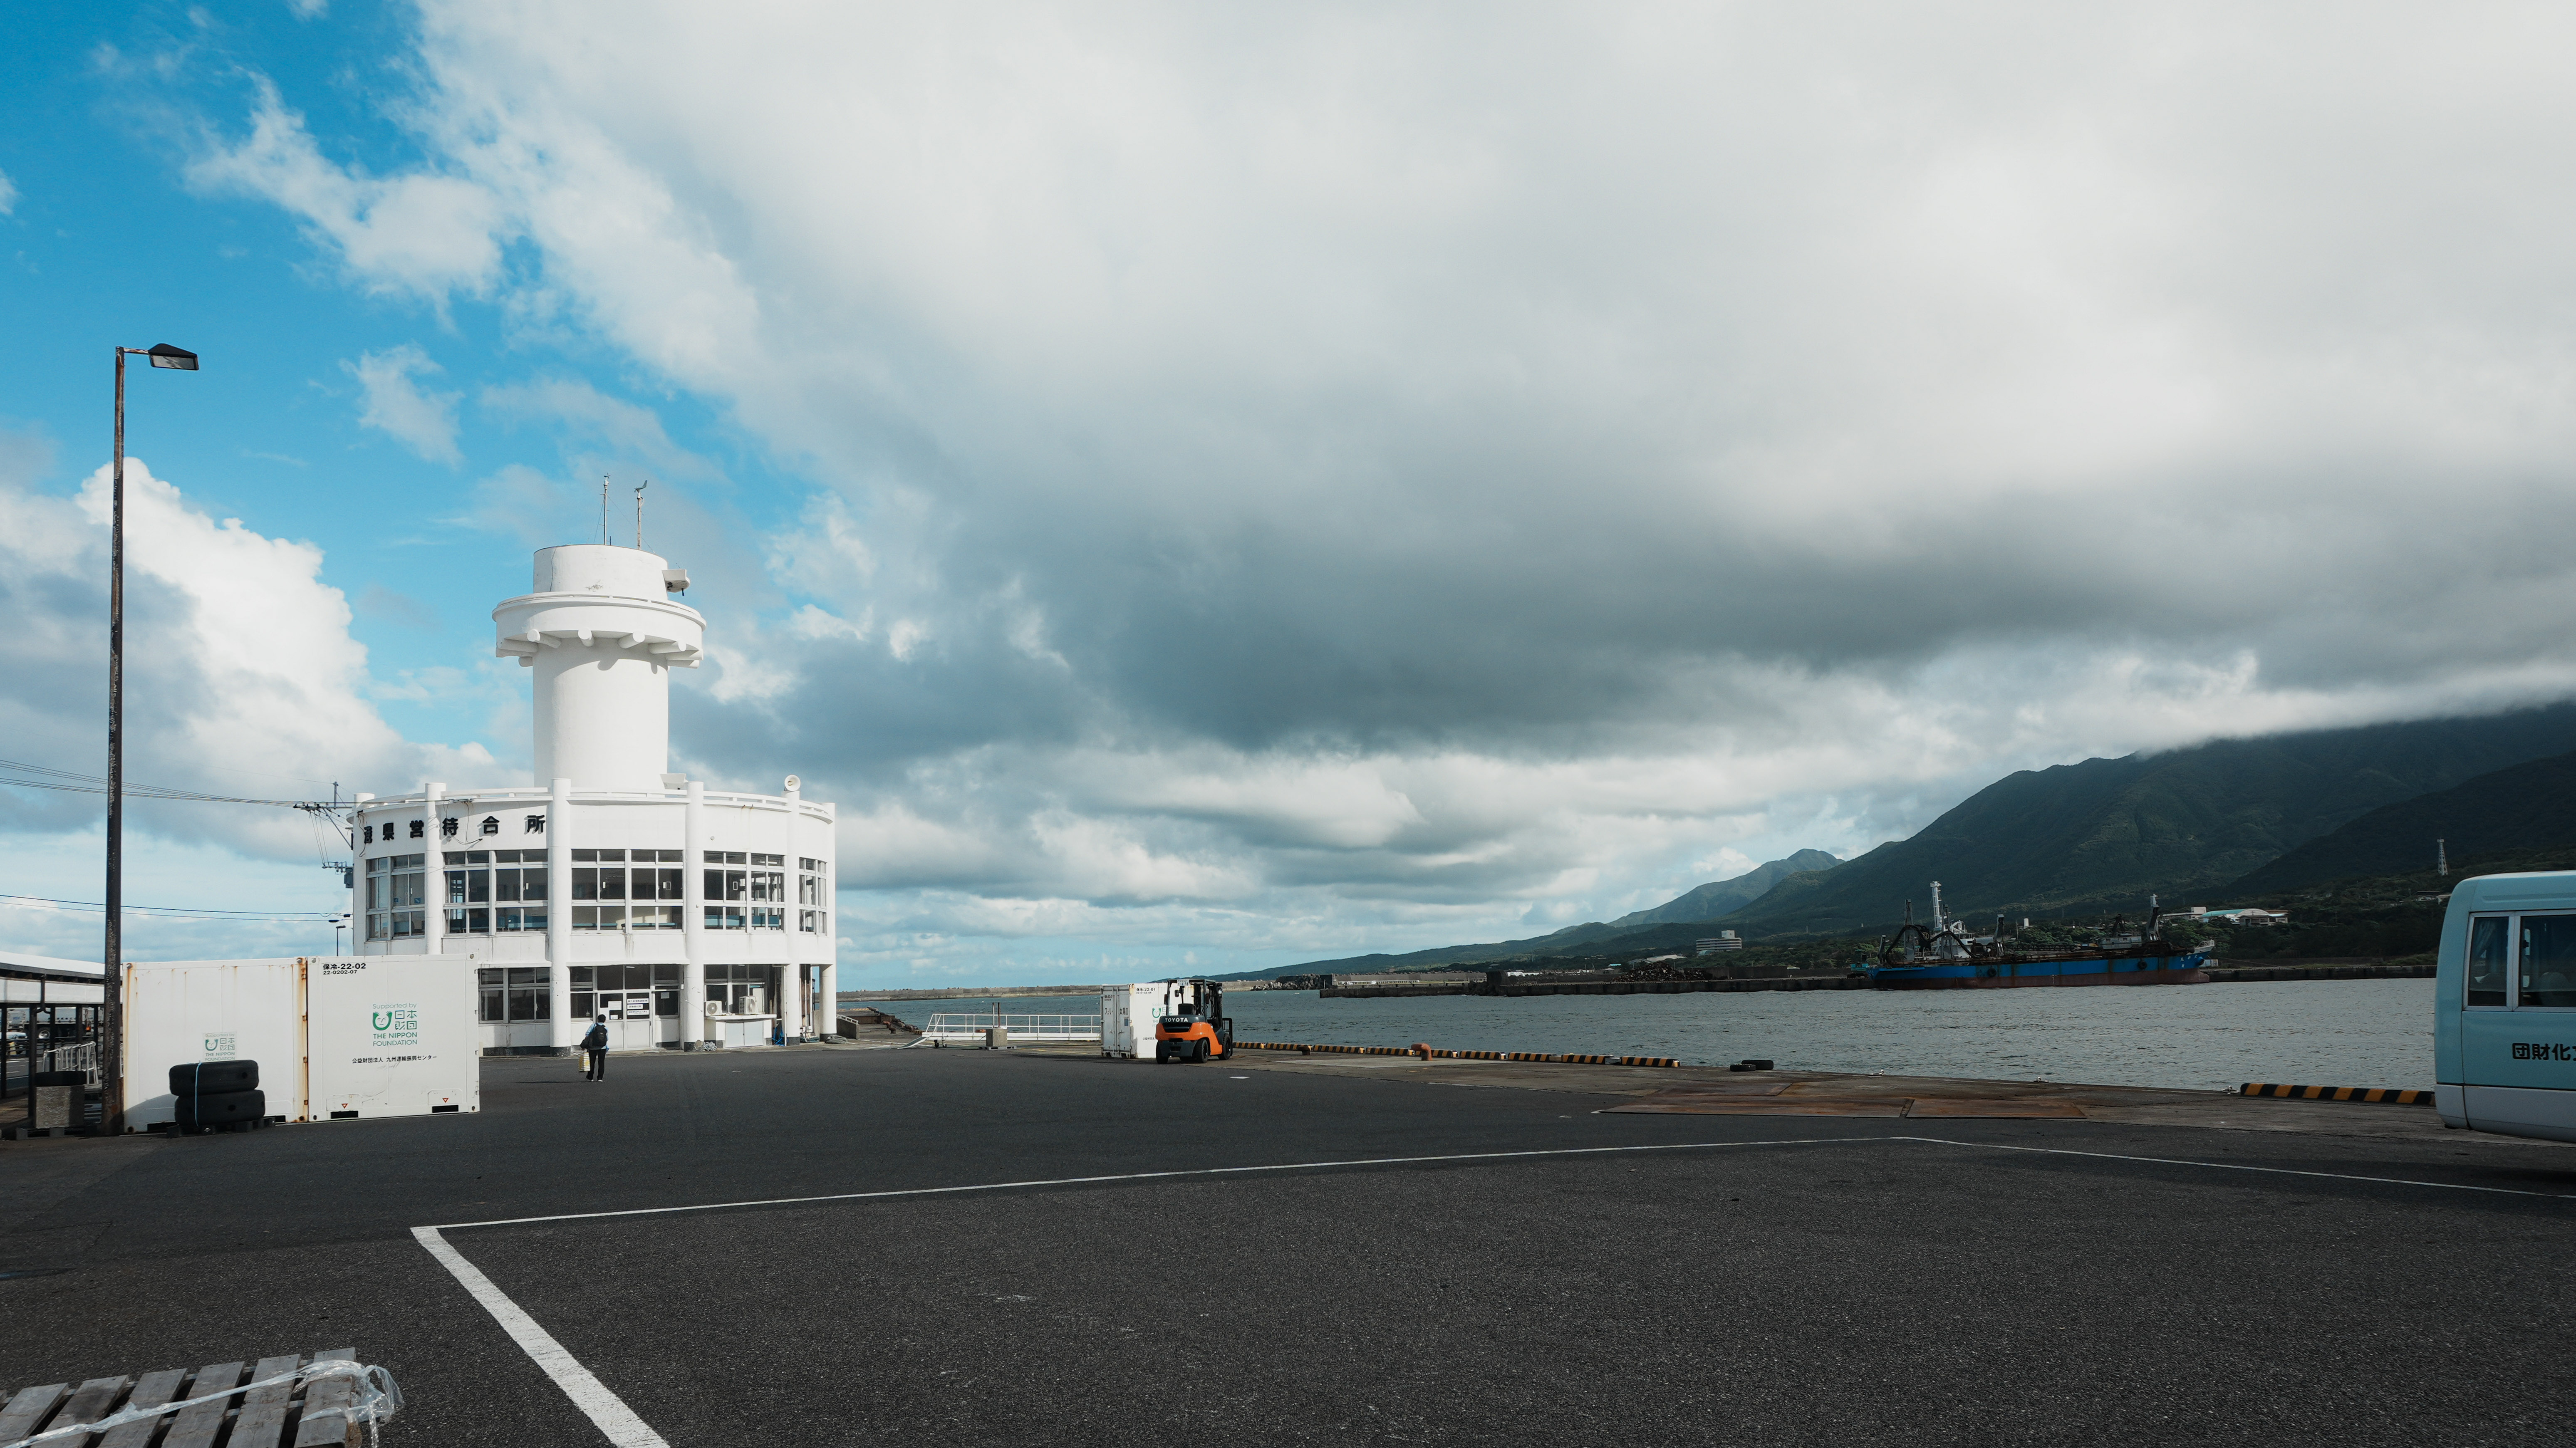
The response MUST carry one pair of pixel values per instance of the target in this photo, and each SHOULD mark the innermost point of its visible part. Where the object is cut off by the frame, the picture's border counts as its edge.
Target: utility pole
(111, 1053)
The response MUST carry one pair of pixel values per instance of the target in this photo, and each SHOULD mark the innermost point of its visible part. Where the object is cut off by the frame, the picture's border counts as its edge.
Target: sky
(1208, 489)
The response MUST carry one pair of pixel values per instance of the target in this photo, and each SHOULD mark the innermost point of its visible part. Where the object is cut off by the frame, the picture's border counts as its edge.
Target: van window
(2548, 968)
(2488, 938)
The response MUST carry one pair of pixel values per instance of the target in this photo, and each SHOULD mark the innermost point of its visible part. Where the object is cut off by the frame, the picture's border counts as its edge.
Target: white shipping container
(1128, 1014)
(393, 1036)
(180, 1012)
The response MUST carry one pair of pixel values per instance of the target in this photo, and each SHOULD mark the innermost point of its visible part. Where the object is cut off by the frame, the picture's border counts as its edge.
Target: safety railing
(82, 1058)
(1025, 1030)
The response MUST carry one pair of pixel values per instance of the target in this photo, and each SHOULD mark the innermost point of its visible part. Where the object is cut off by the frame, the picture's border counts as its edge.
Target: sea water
(2328, 1033)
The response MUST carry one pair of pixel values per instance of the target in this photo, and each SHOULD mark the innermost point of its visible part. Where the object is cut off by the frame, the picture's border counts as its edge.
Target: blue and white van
(2504, 1017)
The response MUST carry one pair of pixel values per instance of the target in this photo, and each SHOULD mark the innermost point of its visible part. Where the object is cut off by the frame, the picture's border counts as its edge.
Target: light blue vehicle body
(2504, 1015)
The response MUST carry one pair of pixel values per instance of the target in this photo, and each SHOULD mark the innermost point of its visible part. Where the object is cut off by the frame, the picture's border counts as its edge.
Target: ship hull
(2015, 974)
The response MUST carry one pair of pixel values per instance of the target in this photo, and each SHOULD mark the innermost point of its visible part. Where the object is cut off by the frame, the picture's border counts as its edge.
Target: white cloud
(421, 233)
(8, 195)
(580, 411)
(1340, 474)
(241, 679)
(421, 420)
(309, 9)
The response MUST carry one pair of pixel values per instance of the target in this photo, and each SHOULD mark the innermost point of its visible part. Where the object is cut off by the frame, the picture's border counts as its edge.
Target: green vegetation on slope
(2104, 834)
(1673, 921)
(2373, 915)
(2526, 806)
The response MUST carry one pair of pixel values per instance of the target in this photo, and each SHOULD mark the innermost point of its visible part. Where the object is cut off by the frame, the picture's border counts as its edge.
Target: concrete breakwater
(2319, 970)
(1594, 987)
(2218, 974)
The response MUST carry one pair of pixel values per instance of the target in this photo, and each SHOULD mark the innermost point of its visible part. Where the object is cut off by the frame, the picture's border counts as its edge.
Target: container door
(1110, 1001)
(392, 1036)
(181, 1012)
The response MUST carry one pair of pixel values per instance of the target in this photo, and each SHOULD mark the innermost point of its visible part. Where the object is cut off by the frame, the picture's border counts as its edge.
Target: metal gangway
(968, 1027)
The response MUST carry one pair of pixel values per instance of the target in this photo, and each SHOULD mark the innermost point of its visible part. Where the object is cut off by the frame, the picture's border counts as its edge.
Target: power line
(188, 910)
(64, 779)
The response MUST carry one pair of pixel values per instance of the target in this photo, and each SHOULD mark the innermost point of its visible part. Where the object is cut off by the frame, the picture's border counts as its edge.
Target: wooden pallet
(279, 1416)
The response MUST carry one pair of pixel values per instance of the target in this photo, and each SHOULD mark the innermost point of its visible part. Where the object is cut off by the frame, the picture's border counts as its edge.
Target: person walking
(595, 1046)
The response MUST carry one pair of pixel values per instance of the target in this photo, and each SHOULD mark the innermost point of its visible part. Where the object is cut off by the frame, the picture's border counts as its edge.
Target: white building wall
(600, 636)
(694, 930)
(558, 935)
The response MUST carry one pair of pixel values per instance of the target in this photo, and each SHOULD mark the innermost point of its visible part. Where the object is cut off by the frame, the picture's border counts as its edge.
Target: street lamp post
(111, 1055)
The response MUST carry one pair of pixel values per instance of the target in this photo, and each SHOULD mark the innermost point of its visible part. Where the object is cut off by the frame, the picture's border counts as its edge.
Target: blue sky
(1222, 491)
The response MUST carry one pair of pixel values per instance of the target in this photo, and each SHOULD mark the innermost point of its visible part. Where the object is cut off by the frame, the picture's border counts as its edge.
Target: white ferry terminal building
(611, 886)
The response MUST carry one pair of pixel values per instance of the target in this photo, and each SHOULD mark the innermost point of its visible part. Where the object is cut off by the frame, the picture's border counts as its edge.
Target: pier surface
(1330, 1250)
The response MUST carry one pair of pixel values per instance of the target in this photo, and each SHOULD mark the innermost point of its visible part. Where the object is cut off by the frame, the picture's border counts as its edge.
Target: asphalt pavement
(1746, 1280)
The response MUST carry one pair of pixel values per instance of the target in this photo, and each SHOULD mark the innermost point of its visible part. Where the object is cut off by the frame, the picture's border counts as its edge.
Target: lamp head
(178, 359)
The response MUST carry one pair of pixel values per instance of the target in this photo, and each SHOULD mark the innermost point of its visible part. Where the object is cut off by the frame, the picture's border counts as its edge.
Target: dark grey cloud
(1331, 464)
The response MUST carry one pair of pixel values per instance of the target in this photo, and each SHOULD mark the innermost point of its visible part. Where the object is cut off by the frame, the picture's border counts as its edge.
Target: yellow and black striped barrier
(2382, 1094)
(1432, 1052)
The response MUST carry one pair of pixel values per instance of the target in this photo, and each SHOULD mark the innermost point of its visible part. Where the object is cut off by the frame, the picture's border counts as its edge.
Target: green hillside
(1716, 898)
(2395, 914)
(2103, 834)
(2526, 806)
(1672, 920)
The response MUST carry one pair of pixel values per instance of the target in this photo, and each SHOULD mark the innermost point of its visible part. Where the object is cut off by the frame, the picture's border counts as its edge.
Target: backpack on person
(597, 1040)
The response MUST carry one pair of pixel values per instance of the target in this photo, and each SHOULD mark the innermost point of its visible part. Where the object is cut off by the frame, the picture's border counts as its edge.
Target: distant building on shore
(2249, 915)
(1723, 940)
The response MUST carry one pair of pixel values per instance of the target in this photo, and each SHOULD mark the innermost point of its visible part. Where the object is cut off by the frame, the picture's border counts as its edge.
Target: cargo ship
(1943, 956)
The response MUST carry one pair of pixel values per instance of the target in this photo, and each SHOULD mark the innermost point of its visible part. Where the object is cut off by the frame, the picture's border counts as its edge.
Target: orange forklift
(1194, 1025)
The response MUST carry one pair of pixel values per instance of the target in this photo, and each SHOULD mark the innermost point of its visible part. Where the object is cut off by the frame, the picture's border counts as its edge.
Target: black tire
(1162, 1053)
(208, 1078)
(1198, 1053)
(222, 1108)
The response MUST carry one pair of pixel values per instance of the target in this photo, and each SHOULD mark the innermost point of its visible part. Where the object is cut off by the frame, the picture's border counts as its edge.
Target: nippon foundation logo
(390, 1026)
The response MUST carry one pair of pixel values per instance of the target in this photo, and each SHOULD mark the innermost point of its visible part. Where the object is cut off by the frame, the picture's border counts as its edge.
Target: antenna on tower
(639, 513)
(603, 507)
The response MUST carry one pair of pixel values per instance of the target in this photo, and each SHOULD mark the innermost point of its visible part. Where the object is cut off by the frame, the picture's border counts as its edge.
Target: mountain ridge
(1718, 897)
(1750, 885)
(2097, 835)
(2104, 834)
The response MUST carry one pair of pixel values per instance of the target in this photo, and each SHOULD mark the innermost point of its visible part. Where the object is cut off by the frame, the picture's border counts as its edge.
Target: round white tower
(609, 891)
(602, 633)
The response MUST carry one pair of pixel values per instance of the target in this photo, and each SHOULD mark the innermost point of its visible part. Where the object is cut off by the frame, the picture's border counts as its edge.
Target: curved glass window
(2489, 938)
(2546, 973)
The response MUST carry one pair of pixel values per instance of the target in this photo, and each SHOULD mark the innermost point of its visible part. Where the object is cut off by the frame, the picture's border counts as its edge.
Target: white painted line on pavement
(610, 1413)
(1147, 1176)
(2240, 1166)
(626, 1430)
(606, 1410)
